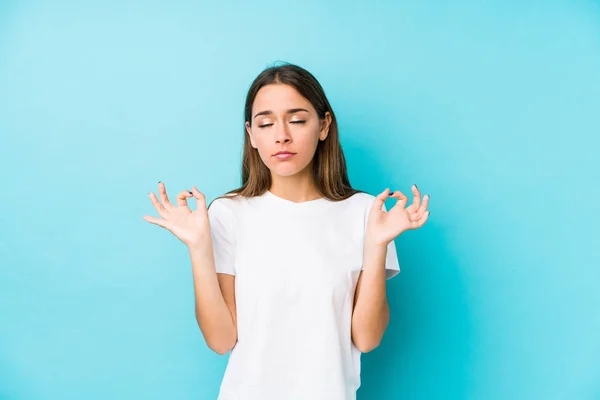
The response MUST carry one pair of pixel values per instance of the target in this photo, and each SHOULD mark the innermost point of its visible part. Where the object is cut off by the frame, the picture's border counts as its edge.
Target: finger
(417, 223)
(414, 206)
(424, 204)
(402, 199)
(200, 198)
(162, 192)
(380, 199)
(159, 207)
(156, 221)
(423, 219)
(182, 198)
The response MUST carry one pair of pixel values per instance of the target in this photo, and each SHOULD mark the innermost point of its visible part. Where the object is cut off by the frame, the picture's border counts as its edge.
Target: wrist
(199, 249)
(376, 244)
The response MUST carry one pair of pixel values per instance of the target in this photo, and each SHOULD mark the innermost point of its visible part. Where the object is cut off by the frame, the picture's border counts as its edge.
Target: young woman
(290, 269)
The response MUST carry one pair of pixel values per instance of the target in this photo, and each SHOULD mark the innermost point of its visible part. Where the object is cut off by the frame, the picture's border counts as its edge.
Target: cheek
(264, 149)
(308, 141)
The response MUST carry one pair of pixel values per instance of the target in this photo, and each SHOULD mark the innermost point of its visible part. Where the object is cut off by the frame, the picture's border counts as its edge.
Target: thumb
(380, 199)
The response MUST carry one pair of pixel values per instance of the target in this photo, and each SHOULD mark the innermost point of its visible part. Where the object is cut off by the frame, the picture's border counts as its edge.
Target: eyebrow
(290, 111)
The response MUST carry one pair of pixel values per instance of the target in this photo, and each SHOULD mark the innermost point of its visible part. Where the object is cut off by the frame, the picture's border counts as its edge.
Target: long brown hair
(329, 165)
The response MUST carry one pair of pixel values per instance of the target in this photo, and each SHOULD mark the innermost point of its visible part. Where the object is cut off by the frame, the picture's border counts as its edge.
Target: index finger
(182, 198)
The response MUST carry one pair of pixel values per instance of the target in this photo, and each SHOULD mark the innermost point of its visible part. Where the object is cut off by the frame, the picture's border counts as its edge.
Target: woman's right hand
(191, 227)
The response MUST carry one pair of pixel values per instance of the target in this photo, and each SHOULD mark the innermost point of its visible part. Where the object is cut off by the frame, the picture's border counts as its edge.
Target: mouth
(283, 155)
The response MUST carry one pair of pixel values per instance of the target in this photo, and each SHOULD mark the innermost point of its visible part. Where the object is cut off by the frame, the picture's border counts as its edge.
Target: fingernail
(416, 186)
(190, 192)
(159, 181)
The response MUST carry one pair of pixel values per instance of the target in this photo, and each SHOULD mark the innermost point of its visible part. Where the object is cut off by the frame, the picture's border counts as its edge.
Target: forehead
(279, 97)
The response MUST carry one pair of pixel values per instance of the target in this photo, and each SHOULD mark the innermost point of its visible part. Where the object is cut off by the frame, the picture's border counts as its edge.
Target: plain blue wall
(493, 109)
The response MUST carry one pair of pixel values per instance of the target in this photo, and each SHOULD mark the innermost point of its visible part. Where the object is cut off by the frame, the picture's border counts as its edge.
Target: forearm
(371, 310)
(212, 314)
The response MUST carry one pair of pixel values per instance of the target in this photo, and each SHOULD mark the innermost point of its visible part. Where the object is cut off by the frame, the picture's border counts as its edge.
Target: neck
(297, 188)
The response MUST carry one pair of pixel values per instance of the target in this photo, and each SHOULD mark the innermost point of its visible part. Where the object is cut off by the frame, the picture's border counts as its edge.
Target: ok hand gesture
(191, 227)
(383, 227)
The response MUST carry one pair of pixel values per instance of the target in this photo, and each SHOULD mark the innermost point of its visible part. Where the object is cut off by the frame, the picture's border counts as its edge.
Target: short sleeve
(223, 236)
(392, 266)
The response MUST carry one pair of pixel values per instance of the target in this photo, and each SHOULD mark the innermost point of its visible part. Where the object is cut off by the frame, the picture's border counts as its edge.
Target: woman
(290, 269)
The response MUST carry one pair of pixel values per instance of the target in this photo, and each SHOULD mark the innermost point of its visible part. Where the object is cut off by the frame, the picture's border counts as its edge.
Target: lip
(282, 155)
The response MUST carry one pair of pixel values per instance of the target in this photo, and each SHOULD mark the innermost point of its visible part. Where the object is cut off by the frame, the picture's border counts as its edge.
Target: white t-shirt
(296, 267)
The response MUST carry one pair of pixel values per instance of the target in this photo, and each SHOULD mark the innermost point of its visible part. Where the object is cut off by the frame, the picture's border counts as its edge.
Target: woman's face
(283, 120)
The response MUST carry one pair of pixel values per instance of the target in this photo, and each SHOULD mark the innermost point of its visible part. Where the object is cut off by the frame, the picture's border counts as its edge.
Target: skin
(275, 127)
(281, 129)
(279, 124)
(371, 313)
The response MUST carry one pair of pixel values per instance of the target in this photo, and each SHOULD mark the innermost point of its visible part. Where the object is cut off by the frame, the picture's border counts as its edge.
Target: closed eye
(291, 122)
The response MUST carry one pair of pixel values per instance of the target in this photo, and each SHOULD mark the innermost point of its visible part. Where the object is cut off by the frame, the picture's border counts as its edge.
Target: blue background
(493, 108)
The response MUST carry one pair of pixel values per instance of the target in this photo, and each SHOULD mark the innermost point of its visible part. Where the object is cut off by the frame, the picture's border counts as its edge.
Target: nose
(282, 135)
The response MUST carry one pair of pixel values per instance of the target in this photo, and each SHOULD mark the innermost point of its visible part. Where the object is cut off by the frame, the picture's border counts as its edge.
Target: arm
(215, 300)
(214, 296)
(371, 313)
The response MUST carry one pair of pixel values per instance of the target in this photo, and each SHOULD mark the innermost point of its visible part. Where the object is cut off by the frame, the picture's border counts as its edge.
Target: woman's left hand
(383, 227)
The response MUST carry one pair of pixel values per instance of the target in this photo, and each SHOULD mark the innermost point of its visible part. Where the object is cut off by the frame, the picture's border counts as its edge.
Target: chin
(285, 169)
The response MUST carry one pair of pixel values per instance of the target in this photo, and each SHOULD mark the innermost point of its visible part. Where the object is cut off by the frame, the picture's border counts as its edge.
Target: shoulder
(359, 204)
(223, 205)
(361, 199)
(364, 196)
